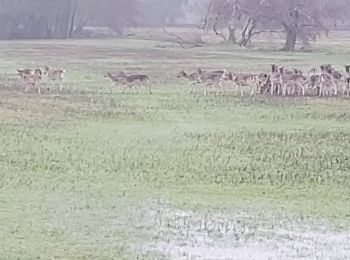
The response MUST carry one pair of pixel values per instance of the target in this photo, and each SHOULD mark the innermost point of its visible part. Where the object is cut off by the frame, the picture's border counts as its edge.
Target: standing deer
(130, 81)
(212, 79)
(275, 80)
(55, 75)
(244, 79)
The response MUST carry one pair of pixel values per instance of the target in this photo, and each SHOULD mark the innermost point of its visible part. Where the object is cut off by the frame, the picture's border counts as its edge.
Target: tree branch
(180, 40)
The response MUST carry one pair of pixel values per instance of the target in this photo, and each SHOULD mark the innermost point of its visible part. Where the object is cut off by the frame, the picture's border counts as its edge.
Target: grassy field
(91, 173)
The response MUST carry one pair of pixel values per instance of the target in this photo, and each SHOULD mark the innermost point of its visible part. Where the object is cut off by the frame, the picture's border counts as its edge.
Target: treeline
(23, 19)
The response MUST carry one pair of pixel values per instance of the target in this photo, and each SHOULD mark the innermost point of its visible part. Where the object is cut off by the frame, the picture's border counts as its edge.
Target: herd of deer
(279, 81)
(33, 77)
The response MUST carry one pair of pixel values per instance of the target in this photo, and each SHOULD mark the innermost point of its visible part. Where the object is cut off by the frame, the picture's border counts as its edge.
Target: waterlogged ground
(238, 234)
(92, 174)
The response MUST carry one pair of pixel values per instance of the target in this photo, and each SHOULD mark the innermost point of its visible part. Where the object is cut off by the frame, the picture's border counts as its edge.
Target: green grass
(81, 170)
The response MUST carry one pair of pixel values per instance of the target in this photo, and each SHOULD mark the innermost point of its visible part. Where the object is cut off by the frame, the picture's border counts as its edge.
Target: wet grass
(93, 174)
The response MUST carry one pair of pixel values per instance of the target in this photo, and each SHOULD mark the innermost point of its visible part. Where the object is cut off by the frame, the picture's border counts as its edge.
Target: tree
(115, 14)
(298, 19)
(60, 19)
(161, 12)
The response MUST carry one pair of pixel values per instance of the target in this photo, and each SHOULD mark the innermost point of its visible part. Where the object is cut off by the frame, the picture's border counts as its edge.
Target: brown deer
(244, 79)
(328, 81)
(314, 80)
(263, 82)
(293, 82)
(55, 75)
(212, 79)
(32, 80)
(130, 81)
(192, 78)
(275, 80)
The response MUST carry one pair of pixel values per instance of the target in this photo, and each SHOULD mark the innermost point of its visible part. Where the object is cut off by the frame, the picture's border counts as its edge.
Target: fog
(306, 20)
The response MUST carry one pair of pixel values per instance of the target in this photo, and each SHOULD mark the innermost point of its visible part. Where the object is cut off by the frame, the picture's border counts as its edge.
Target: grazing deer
(130, 81)
(55, 75)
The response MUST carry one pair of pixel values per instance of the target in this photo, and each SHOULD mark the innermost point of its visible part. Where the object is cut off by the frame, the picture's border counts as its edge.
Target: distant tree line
(235, 21)
(64, 18)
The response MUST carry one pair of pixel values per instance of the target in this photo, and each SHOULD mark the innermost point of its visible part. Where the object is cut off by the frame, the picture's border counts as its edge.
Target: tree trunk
(291, 40)
(232, 35)
(247, 33)
(72, 19)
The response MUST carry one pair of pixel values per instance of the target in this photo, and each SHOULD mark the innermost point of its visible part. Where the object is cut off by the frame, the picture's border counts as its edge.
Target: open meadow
(91, 173)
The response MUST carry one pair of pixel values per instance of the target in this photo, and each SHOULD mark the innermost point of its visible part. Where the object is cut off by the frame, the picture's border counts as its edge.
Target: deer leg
(241, 90)
(61, 86)
(205, 89)
(302, 89)
(272, 89)
(125, 87)
(149, 86)
(255, 86)
(26, 88)
(218, 88)
(284, 90)
(236, 89)
(335, 86)
(137, 90)
(38, 87)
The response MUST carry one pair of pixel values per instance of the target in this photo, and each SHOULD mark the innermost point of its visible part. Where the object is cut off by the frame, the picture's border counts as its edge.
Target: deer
(327, 81)
(192, 78)
(314, 80)
(347, 80)
(54, 75)
(263, 82)
(294, 81)
(212, 79)
(242, 79)
(275, 79)
(130, 81)
(31, 79)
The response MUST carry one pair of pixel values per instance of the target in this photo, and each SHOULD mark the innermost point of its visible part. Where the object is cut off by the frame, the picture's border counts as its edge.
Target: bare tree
(298, 19)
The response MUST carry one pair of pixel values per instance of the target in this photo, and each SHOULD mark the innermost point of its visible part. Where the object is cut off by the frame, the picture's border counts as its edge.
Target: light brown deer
(212, 79)
(130, 81)
(275, 79)
(32, 80)
(244, 80)
(193, 79)
(328, 84)
(55, 75)
(292, 83)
